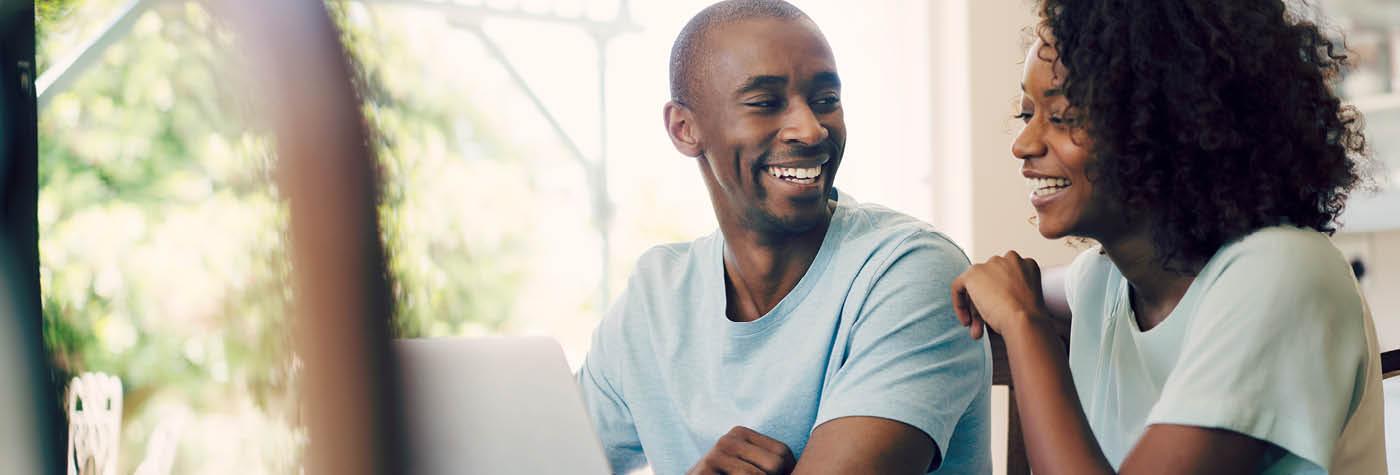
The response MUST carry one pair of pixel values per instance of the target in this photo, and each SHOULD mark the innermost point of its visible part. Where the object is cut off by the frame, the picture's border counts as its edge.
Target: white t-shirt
(1272, 340)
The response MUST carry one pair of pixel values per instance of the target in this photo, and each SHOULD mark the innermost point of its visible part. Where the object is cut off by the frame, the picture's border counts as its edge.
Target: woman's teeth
(1047, 186)
(805, 176)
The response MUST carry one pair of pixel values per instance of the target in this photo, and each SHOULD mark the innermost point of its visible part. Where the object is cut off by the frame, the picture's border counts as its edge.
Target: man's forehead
(767, 47)
(752, 33)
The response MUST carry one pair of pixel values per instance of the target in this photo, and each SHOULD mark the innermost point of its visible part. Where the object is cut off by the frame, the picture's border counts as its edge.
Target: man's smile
(803, 176)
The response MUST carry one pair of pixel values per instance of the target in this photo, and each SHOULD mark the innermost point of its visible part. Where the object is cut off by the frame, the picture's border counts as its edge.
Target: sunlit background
(525, 169)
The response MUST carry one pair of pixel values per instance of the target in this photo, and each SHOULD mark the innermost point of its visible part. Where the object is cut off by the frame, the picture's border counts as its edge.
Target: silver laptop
(495, 406)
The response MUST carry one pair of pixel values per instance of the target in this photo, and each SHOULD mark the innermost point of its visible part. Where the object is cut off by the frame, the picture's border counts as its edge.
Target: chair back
(94, 406)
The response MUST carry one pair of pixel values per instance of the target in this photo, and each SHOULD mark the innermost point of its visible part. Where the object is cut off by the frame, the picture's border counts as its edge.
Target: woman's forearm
(1057, 435)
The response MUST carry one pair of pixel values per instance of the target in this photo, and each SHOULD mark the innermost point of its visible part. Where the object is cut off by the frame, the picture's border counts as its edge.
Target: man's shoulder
(672, 269)
(668, 260)
(662, 276)
(895, 234)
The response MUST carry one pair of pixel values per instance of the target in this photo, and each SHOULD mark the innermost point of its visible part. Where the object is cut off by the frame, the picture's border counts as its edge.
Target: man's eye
(826, 105)
(767, 104)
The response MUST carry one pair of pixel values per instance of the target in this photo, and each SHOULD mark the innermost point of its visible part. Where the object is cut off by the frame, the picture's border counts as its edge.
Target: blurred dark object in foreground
(326, 171)
(29, 406)
(342, 305)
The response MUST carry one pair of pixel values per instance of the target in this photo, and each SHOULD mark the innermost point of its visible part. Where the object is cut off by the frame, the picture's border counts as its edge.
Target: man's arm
(910, 374)
(603, 396)
(611, 418)
(867, 445)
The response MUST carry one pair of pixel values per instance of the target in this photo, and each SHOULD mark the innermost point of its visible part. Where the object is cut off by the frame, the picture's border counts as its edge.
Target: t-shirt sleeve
(1275, 349)
(1079, 271)
(602, 394)
(909, 359)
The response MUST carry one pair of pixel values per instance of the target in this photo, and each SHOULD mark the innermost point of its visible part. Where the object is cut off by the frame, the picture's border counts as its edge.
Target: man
(812, 333)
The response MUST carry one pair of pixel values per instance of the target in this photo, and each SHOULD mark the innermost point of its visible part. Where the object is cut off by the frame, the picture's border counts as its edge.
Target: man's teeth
(800, 175)
(1046, 186)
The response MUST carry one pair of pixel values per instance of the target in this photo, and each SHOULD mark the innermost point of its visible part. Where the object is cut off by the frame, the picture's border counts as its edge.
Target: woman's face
(1054, 152)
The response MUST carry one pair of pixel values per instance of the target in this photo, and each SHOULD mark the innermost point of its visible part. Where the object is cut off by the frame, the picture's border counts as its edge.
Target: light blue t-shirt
(1271, 340)
(869, 330)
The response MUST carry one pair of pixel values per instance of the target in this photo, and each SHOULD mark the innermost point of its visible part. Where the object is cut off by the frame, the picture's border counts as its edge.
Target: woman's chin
(1049, 229)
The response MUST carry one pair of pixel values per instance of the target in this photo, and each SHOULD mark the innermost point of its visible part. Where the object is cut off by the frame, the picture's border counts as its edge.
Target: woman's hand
(994, 294)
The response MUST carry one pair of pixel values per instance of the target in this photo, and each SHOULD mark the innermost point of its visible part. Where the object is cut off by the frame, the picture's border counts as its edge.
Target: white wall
(1380, 251)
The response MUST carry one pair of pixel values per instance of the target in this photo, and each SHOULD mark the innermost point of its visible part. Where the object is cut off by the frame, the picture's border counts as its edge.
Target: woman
(1215, 329)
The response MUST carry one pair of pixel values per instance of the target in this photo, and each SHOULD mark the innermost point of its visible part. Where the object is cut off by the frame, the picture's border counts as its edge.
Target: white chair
(160, 449)
(94, 403)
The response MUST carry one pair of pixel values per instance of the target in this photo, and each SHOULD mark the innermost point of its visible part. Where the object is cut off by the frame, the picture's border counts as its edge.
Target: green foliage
(444, 279)
(163, 238)
(48, 12)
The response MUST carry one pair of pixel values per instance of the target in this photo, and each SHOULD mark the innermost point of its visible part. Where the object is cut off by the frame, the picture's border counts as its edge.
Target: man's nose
(802, 127)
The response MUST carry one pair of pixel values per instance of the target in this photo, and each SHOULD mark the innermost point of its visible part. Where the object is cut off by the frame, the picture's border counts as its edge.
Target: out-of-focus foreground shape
(342, 303)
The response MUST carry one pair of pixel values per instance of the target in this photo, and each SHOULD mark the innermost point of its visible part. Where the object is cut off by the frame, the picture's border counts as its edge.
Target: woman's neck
(1155, 289)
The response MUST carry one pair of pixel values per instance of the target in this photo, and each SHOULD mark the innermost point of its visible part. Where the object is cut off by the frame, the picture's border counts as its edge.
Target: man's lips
(798, 175)
(803, 167)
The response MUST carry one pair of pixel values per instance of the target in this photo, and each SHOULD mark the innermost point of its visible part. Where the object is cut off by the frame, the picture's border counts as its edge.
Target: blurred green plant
(48, 12)
(163, 237)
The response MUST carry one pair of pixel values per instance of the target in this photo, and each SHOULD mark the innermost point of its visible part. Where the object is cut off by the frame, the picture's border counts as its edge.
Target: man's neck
(761, 268)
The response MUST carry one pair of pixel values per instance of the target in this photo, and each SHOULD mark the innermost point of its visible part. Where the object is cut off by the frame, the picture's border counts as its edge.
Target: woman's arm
(1002, 295)
(1056, 432)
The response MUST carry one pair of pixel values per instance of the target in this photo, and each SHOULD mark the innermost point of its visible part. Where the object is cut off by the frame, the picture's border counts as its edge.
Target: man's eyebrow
(827, 78)
(756, 83)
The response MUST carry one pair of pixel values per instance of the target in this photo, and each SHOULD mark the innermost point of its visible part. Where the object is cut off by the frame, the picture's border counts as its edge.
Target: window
(521, 182)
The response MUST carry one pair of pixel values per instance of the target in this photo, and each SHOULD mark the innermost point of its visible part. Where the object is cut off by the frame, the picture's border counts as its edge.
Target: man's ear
(680, 125)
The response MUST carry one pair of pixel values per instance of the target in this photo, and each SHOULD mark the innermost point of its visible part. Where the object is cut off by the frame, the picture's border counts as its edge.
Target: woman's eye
(1023, 117)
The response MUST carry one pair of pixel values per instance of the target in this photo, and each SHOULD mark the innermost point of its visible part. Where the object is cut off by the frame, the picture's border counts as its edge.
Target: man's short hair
(686, 54)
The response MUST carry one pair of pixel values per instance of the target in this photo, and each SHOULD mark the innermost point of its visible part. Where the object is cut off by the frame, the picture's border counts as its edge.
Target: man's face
(769, 123)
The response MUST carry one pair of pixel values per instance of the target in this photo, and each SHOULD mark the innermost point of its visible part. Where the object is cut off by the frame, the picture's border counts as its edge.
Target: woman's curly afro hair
(1217, 117)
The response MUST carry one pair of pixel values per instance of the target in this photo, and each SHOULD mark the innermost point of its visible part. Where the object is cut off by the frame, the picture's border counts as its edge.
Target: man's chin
(798, 222)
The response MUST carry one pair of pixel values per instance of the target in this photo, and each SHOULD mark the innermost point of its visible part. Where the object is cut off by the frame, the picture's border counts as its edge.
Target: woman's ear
(680, 125)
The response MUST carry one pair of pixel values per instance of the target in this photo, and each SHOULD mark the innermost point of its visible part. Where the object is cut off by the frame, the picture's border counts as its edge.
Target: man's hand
(747, 452)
